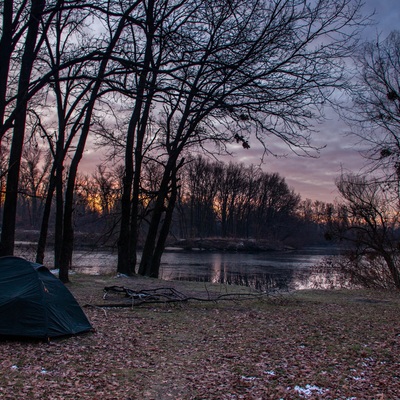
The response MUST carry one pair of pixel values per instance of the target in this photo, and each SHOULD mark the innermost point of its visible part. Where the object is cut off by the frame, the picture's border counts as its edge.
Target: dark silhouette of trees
(369, 217)
(282, 218)
(233, 200)
(314, 221)
(34, 180)
(370, 220)
(149, 34)
(34, 37)
(376, 107)
(230, 184)
(100, 73)
(157, 79)
(21, 104)
(262, 68)
(200, 187)
(65, 95)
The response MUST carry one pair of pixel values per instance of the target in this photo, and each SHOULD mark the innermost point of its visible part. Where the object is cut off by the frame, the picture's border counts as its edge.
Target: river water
(289, 269)
(265, 270)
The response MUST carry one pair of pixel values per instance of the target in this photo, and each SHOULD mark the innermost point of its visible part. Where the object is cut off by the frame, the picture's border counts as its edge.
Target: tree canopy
(154, 80)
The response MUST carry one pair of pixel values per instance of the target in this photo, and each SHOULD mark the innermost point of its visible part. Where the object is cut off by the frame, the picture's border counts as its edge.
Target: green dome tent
(34, 303)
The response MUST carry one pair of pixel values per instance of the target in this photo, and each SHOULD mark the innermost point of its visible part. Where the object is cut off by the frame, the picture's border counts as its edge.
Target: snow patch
(309, 390)
(272, 373)
(248, 378)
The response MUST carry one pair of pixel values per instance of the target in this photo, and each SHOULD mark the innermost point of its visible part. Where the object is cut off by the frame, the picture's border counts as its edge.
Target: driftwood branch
(167, 295)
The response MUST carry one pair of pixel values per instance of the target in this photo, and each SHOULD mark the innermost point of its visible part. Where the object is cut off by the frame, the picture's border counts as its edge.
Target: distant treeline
(215, 199)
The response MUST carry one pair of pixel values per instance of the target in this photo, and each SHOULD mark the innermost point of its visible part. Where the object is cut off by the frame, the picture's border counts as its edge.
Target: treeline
(215, 199)
(238, 201)
(232, 200)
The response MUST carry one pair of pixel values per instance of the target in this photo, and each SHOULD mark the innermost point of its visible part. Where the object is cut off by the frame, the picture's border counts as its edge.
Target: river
(297, 269)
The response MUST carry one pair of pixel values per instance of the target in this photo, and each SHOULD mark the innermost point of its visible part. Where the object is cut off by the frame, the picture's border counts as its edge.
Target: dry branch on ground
(166, 295)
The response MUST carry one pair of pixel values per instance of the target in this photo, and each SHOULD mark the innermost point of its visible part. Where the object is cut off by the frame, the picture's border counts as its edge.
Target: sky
(314, 178)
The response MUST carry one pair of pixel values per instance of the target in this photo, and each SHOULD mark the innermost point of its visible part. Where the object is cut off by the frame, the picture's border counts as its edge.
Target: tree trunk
(392, 269)
(68, 231)
(10, 203)
(149, 248)
(134, 217)
(67, 244)
(124, 266)
(127, 242)
(58, 230)
(44, 228)
(159, 250)
(151, 238)
(5, 57)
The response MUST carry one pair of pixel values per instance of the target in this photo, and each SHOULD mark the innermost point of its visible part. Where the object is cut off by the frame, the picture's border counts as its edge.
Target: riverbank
(227, 244)
(91, 241)
(306, 344)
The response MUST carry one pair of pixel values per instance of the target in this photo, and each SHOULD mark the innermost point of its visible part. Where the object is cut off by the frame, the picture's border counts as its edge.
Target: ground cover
(314, 344)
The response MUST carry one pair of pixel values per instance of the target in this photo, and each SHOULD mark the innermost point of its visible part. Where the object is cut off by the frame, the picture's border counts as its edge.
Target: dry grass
(317, 344)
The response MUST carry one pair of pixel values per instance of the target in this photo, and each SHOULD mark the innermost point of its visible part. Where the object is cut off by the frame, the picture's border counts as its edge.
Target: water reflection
(218, 272)
(262, 271)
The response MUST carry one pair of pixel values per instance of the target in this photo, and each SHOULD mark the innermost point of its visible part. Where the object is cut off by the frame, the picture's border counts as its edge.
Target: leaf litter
(314, 345)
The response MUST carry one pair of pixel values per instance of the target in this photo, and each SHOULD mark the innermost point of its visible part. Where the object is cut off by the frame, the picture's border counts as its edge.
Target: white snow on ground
(309, 390)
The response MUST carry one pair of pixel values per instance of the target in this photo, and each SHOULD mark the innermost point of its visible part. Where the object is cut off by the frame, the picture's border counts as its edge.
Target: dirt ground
(314, 344)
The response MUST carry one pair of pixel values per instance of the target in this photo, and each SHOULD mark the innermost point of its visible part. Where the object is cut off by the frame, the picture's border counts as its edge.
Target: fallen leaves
(314, 348)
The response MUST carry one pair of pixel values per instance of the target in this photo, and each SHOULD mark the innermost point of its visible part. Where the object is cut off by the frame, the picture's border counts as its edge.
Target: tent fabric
(34, 303)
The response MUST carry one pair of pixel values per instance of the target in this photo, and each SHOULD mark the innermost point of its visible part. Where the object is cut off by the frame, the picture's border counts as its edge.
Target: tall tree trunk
(59, 220)
(164, 231)
(67, 246)
(124, 266)
(44, 228)
(56, 184)
(127, 241)
(10, 203)
(5, 57)
(134, 217)
(68, 231)
(145, 267)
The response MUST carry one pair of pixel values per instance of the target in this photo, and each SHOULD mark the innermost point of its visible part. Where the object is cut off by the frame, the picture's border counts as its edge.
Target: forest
(215, 199)
(160, 90)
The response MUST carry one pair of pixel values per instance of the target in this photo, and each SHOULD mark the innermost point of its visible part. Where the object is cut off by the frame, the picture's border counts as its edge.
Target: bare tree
(65, 96)
(370, 220)
(257, 68)
(16, 15)
(200, 180)
(27, 61)
(370, 217)
(115, 25)
(376, 108)
(230, 185)
(26, 28)
(35, 169)
(148, 56)
(108, 190)
(274, 203)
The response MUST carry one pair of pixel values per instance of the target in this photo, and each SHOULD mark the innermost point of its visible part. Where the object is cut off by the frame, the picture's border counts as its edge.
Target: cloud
(386, 18)
(314, 178)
